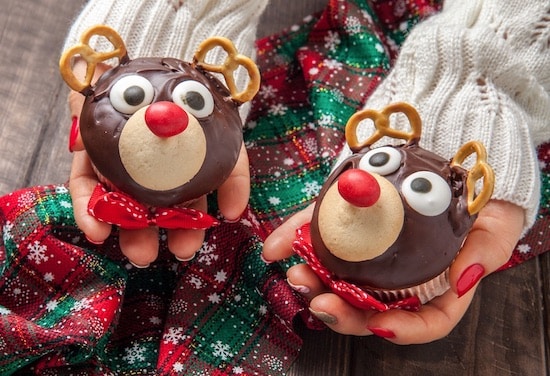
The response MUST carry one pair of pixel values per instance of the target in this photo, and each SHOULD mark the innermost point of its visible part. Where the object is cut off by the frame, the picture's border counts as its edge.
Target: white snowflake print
(60, 189)
(174, 336)
(221, 350)
(37, 252)
(332, 40)
(310, 145)
(178, 306)
(7, 231)
(49, 277)
(155, 320)
(268, 92)
(26, 199)
(96, 326)
(177, 367)
(288, 162)
(51, 305)
(278, 109)
(524, 248)
(65, 204)
(83, 304)
(262, 310)
(326, 119)
(238, 370)
(273, 363)
(196, 282)
(311, 188)
(207, 254)
(274, 200)
(338, 95)
(352, 25)
(221, 276)
(214, 298)
(4, 311)
(333, 64)
(134, 354)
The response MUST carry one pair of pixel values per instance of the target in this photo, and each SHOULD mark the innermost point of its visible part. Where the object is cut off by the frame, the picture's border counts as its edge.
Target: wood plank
(501, 334)
(34, 121)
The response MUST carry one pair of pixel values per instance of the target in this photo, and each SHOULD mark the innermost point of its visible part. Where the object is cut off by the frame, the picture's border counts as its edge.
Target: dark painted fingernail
(324, 317)
(382, 333)
(469, 278)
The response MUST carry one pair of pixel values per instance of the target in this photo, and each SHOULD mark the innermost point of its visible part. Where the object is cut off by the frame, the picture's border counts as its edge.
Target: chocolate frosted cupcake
(390, 220)
(160, 132)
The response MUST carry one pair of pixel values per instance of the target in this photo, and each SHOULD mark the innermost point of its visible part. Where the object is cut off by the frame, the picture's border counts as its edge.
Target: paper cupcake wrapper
(424, 292)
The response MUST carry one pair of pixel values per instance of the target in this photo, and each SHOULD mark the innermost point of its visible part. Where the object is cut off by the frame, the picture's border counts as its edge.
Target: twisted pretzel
(480, 170)
(381, 121)
(91, 56)
(233, 61)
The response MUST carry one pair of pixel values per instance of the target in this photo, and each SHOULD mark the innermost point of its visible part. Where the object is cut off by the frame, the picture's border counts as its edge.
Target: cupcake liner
(424, 292)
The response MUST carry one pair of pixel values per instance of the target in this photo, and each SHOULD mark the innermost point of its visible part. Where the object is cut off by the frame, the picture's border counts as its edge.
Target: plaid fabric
(71, 307)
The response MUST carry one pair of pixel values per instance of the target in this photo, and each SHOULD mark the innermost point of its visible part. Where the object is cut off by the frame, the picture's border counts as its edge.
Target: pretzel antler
(480, 170)
(91, 56)
(233, 61)
(381, 121)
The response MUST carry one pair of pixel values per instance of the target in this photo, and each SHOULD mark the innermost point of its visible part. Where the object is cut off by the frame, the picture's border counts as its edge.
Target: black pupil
(421, 185)
(379, 159)
(134, 95)
(194, 100)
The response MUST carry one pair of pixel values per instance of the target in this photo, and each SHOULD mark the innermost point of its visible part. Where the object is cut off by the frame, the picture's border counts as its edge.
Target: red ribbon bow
(119, 209)
(348, 291)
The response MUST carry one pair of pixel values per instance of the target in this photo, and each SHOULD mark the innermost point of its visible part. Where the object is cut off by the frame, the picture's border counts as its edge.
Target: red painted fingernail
(469, 278)
(73, 135)
(381, 332)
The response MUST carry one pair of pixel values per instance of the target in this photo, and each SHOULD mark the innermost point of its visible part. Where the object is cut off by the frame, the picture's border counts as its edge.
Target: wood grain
(505, 331)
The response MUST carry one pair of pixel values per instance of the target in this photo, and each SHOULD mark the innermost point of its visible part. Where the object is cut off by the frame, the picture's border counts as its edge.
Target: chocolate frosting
(426, 245)
(101, 126)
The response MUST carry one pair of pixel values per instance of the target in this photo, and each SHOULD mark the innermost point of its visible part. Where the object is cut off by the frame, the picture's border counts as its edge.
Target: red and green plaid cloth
(68, 307)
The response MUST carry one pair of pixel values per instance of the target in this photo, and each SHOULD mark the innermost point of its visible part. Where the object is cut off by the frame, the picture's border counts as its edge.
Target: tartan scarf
(71, 307)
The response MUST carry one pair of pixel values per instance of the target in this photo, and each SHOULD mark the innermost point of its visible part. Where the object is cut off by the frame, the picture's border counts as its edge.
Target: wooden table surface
(505, 331)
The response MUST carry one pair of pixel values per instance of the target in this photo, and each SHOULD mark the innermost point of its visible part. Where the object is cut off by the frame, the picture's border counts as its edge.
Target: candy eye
(383, 160)
(427, 193)
(131, 93)
(194, 98)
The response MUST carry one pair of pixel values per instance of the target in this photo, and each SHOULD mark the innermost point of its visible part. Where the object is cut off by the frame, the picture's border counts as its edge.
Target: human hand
(488, 246)
(141, 246)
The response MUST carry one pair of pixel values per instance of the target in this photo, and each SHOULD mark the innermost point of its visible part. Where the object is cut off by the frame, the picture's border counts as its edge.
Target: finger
(488, 246)
(278, 244)
(185, 243)
(434, 321)
(81, 184)
(234, 193)
(140, 246)
(339, 315)
(304, 280)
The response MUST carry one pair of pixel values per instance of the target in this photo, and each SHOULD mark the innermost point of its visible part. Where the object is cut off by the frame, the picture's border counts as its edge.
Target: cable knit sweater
(174, 28)
(479, 70)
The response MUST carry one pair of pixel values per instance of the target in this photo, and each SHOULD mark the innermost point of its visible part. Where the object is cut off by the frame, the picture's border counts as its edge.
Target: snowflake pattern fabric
(85, 310)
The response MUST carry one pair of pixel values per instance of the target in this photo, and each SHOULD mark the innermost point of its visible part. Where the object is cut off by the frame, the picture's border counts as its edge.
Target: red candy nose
(359, 188)
(166, 119)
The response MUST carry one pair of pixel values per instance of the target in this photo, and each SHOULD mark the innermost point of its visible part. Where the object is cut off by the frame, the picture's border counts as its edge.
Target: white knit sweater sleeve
(480, 70)
(173, 28)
